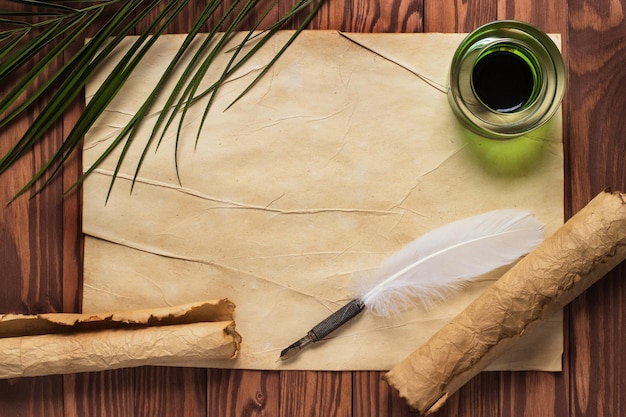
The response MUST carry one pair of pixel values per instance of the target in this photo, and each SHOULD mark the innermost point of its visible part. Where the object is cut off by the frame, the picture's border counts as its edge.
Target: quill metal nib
(324, 328)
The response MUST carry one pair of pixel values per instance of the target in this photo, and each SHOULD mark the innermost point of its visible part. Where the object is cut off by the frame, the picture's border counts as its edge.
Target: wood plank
(72, 257)
(372, 397)
(451, 16)
(189, 15)
(31, 250)
(534, 394)
(596, 122)
(550, 17)
(41, 396)
(597, 364)
(309, 393)
(234, 393)
(31, 230)
(108, 393)
(480, 396)
(370, 16)
(154, 391)
(597, 97)
(168, 391)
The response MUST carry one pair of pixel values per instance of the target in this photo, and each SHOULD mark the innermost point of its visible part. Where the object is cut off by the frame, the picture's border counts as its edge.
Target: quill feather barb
(436, 265)
(442, 261)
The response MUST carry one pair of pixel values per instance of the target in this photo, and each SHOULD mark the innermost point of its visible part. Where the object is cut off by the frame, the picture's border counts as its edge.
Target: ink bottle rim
(545, 63)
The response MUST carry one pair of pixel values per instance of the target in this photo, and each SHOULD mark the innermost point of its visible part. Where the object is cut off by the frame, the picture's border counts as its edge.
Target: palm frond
(32, 75)
(74, 76)
(107, 91)
(36, 34)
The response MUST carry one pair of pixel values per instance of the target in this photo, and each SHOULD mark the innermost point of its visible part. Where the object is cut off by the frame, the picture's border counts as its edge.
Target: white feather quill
(435, 266)
(442, 261)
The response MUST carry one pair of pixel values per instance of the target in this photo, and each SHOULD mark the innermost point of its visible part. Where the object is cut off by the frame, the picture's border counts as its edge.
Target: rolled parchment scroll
(578, 254)
(58, 343)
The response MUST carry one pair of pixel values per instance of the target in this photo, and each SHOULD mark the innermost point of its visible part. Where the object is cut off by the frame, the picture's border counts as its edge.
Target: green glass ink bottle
(507, 78)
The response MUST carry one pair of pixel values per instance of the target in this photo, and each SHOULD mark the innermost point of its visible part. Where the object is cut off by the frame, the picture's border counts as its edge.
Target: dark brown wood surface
(41, 250)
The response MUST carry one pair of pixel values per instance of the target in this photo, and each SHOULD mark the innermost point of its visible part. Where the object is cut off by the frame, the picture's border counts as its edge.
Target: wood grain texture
(32, 397)
(41, 251)
(31, 257)
(32, 232)
(312, 393)
(146, 391)
(550, 17)
(371, 16)
(597, 154)
(597, 368)
(449, 16)
(177, 391)
(105, 394)
(234, 393)
(596, 119)
(372, 397)
(480, 396)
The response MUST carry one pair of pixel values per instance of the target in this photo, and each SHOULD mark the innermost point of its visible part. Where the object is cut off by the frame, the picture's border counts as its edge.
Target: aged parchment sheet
(337, 158)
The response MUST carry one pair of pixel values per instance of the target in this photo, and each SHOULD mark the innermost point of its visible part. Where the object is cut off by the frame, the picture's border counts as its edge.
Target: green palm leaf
(45, 30)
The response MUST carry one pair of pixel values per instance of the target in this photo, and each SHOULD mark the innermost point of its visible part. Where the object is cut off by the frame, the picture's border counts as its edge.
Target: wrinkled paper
(60, 343)
(343, 153)
(577, 255)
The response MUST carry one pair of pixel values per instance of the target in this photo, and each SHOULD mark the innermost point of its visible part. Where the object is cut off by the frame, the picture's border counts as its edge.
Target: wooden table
(41, 250)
